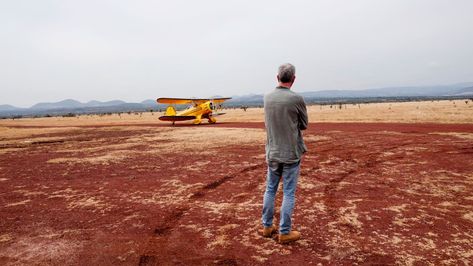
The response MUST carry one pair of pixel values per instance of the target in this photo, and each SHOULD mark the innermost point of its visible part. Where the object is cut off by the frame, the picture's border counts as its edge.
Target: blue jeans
(289, 173)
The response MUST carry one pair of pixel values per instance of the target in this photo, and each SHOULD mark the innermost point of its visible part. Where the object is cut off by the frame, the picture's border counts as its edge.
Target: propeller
(216, 107)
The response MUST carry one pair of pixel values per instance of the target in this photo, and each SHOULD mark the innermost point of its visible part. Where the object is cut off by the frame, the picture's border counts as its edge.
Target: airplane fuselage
(197, 109)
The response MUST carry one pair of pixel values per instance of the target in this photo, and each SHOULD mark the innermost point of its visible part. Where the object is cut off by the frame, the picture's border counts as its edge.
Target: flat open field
(131, 190)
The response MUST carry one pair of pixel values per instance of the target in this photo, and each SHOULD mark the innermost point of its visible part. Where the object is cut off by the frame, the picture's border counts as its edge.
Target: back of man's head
(286, 73)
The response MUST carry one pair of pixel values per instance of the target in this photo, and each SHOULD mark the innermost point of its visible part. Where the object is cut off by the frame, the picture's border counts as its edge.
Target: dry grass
(456, 134)
(158, 140)
(93, 150)
(446, 111)
(89, 120)
(195, 138)
(408, 112)
(23, 202)
(17, 133)
(106, 159)
(405, 112)
(5, 238)
(40, 249)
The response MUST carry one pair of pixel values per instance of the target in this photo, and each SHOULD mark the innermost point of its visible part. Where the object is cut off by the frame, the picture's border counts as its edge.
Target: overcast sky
(136, 50)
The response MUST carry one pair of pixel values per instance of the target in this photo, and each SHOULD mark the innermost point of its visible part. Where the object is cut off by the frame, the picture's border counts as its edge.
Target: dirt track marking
(217, 183)
(156, 242)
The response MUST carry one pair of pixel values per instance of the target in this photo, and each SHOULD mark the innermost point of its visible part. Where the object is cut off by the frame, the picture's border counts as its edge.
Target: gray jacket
(285, 115)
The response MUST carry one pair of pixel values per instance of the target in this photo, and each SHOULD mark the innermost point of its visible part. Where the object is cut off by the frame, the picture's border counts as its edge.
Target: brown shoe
(268, 231)
(292, 236)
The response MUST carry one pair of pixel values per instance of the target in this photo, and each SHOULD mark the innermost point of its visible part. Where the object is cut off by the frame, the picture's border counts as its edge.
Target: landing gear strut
(212, 120)
(197, 120)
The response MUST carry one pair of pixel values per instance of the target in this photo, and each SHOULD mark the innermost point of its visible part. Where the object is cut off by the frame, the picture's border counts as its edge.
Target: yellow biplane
(199, 109)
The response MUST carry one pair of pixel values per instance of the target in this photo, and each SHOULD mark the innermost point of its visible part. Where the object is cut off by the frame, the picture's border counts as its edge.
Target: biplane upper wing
(187, 101)
(220, 100)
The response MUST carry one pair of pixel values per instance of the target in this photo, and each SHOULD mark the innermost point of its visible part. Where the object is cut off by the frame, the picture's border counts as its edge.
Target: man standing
(285, 116)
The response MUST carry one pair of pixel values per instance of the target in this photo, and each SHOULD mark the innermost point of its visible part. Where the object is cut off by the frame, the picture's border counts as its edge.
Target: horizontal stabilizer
(176, 117)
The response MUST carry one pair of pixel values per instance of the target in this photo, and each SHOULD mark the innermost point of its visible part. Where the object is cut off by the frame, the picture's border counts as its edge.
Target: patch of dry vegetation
(460, 135)
(17, 139)
(5, 238)
(181, 139)
(200, 140)
(89, 120)
(8, 133)
(40, 249)
(23, 202)
(100, 148)
(110, 157)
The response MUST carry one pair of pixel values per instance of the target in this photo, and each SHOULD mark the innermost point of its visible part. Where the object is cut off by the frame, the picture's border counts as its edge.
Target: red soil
(368, 194)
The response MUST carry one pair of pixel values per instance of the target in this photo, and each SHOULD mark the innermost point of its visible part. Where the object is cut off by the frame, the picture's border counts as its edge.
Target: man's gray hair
(286, 72)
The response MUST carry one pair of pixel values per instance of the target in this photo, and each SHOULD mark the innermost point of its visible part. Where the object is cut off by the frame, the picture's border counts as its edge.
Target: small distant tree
(69, 115)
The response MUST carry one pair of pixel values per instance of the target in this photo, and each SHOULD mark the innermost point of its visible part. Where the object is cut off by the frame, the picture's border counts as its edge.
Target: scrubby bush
(69, 115)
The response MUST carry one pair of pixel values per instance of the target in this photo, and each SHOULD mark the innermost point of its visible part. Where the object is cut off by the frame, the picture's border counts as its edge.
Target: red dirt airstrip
(158, 195)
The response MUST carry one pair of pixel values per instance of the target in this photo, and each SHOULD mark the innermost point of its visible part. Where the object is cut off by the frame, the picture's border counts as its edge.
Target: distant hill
(425, 91)
(101, 104)
(464, 91)
(460, 89)
(149, 103)
(7, 107)
(69, 103)
(247, 99)
(370, 95)
(73, 104)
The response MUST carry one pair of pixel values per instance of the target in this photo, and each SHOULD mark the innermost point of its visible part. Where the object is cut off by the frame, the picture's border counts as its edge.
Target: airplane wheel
(212, 120)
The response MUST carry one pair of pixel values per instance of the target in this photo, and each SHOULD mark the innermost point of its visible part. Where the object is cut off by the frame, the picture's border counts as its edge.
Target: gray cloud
(52, 50)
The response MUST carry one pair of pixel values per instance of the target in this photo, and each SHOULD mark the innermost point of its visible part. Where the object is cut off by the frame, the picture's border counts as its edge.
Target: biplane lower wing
(173, 118)
(213, 114)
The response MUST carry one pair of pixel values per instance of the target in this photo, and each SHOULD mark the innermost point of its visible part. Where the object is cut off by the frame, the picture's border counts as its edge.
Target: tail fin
(170, 111)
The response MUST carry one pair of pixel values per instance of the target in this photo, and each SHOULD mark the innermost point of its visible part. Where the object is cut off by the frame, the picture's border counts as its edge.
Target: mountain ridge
(71, 105)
